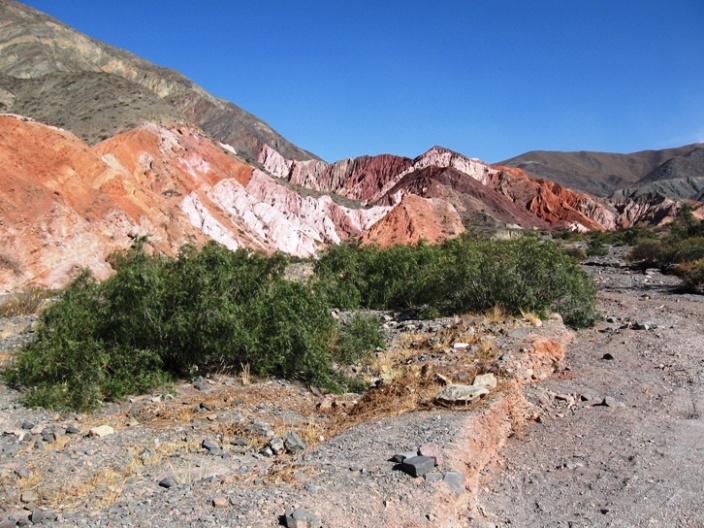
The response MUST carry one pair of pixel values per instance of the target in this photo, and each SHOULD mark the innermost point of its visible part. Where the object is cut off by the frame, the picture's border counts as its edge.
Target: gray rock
(263, 428)
(10, 449)
(301, 518)
(485, 380)
(454, 394)
(293, 443)
(455, 480)
(40, 516)
(200, 384)
(400, 457)
(608, 356)
(28, 425)
(312, 487)
(418, 466)
(167, 482)
(211, 445)
(277, 445)
(433, 477)
(72, 429)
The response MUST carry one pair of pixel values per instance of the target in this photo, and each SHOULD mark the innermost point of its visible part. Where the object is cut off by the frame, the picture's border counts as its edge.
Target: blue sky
(487, 78)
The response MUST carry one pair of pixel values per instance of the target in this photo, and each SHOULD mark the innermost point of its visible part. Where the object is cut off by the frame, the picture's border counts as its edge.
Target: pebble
(460, 393)
(220, 502)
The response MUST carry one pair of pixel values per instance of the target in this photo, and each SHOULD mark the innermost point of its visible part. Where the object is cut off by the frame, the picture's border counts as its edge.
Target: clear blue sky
(488, 78)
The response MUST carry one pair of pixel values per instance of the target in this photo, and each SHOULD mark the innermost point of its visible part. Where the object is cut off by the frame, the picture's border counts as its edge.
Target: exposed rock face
(64, 204)
(104, 89)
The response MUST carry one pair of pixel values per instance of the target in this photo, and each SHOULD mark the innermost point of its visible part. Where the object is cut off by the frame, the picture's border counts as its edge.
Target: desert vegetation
(158, 318)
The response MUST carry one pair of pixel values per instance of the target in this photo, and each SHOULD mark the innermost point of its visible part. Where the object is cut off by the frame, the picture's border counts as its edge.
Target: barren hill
(48, 71)
(597, 173)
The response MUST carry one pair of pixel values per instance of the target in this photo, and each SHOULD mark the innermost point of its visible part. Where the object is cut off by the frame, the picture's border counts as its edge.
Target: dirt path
(639, 462)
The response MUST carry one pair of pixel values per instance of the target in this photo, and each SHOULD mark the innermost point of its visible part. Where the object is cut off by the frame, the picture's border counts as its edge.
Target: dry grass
(26, 302)
(495, 315)
(245, 375)
(532, 318)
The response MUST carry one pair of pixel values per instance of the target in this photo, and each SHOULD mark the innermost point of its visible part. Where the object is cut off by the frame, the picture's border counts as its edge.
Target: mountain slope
(42, 58)
(680, 176)
(596, 173)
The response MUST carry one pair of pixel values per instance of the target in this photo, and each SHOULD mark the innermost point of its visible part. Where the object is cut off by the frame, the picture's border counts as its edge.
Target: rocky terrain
(99, 147)
(596, 428)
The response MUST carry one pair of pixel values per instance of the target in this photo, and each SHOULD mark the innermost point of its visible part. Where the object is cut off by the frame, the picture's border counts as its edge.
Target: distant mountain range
(98, 146)
(676, 172)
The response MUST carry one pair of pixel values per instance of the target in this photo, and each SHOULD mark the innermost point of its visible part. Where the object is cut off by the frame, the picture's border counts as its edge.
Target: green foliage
(464, 274)
(692, 275)
(597, 248)
(157, 318)
(357, 339)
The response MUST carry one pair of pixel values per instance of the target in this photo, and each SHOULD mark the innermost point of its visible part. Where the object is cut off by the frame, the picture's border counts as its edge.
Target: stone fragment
(608, 356)
(609, 401)
(418, 466)
(101, 431)
(220, 502)
(277, 445)
(400, 457)
(431, 450)
(211, 445)
(433, 477)
(167, 482)
(200, 384)
(460, 346)
(301, 518)
(73, 429)
(39, 516)
(28, 497)
(28, 425)
(293, 443)
(485, 380)
(456, 393)
(455, 480)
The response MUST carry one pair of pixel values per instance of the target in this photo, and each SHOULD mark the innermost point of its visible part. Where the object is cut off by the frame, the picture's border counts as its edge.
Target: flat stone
(301, 518)
(433, 477)
(455, 480)
(101, 431)
(431, 450)
(418, 466)
(460, 393)
(400, 457)
(608, 356)
(39, 516)
(210, 445)
(609, 401)
(460, 346)
(29, 496)
(485, 380)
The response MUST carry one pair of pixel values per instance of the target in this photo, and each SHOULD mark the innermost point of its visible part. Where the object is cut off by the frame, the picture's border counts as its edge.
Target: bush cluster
(465, 274)
(158, 318)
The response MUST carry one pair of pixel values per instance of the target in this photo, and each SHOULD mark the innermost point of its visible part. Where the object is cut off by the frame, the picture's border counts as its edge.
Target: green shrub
(692, 275)
(648, 252)
(357, 339)
(597, 248)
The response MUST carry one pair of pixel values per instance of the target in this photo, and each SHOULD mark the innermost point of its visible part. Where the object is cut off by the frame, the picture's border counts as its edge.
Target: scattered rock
(433, 477)
(431, 450)
(293, 443)
(608, 356)
(301, 518)
(455, 480)
(101, 431)
(454, 394)
(485, 380)
(418, 466)
(167, 482)
(28, 497)
(220, 502)
(400, 457)
(276, 445)
(39, 516)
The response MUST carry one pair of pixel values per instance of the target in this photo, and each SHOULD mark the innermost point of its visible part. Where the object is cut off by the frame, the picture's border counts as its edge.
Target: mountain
(98, 147)
(55, 74)
(681, 176)
(596, 173)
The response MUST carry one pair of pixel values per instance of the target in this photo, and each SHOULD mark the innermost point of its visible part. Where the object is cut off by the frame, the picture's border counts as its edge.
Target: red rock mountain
(143, 151)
